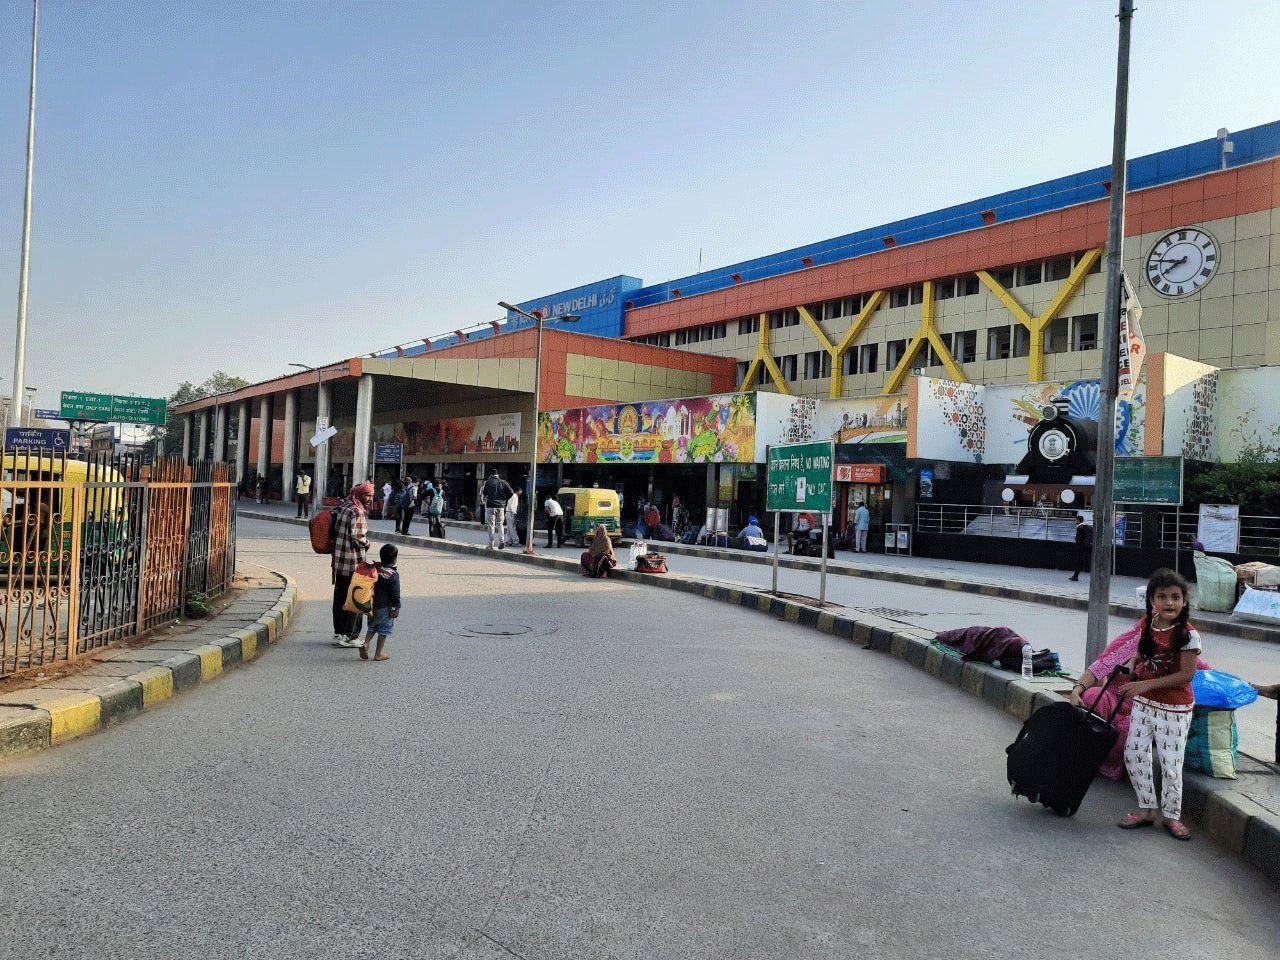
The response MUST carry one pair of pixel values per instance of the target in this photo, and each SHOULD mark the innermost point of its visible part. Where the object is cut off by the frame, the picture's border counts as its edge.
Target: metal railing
(1017, 522)
(93, 552)
(1259, 536)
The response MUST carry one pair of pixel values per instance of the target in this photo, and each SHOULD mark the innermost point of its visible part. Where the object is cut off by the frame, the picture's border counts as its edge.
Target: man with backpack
(408, 504)
(494, 495)
(350, 544)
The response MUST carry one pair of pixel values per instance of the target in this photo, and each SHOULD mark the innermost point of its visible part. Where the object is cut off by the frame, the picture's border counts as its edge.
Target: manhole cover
(485, 628)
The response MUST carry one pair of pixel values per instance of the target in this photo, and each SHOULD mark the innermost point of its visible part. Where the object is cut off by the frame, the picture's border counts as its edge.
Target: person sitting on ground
(752, 529)
(662, 533)
(386, 603)
(598, 559)
(802, 529)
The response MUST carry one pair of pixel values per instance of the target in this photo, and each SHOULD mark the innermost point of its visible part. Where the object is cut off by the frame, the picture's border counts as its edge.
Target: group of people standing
(501, 512)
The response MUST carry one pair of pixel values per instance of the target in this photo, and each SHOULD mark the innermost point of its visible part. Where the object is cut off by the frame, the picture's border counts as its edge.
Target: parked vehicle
(585, 508)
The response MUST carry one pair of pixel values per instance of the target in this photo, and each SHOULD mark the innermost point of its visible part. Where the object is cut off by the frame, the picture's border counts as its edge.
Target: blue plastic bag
(1221, 691)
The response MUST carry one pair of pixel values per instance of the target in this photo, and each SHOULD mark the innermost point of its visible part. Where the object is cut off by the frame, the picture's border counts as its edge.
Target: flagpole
(1104, 492)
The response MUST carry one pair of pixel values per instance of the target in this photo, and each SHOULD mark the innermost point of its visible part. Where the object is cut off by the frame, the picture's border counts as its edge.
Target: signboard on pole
(388, 452)
(107, 407)
(1219, 530)
(1155, 480)
(799, 477)
(48, 414)
(21, 438)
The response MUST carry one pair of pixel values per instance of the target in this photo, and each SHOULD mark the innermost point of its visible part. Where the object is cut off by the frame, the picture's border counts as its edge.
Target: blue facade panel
(599, 304)
(1178, 163)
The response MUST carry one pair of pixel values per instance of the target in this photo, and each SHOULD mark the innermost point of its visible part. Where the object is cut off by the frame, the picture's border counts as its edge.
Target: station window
(967, 286)
(944, 289)
(1086, 332)
(748, 325)
(1097, 264)
(999, 343)
(868, 357)
(743, 367)
(721, 330)
(834, 309)
(899, 297)
(788, 366)
(763, 377)
(1021, 341)
(664, 340)
(1058, 269)
(849, 362)
(916, 293)
(1057, 338)
(1030, 273)
(965, 346)
(894, 350)
(817, 365)
(1003, 277)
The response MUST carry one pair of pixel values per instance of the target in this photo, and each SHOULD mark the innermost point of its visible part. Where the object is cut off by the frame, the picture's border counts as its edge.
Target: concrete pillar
(364, 431)
(264, 435)
(290, 444)
(320, 481)
(202, 425)
(186, 439)
(242, 441)
(220, 434)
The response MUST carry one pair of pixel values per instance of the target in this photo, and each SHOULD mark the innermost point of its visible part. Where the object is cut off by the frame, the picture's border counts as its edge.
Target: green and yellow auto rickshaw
(585, 508)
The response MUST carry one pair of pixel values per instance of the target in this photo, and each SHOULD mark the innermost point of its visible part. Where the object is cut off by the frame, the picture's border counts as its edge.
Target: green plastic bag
(1213, 742)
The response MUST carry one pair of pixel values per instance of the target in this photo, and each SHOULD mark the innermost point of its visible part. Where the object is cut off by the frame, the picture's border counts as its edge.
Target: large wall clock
(1182, 262)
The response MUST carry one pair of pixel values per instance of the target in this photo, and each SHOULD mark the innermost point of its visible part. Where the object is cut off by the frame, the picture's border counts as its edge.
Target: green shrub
(198, 605)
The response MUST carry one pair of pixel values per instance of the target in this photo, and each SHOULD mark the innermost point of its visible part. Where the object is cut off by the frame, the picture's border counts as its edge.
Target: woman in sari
(1088, 693)
(599, 559)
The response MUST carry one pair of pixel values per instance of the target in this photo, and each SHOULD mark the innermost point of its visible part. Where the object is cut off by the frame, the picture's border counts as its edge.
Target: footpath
(1243, 815)
(110, 685)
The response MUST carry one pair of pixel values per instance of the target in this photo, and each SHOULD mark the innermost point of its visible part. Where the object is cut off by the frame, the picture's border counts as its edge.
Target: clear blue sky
(237, 185)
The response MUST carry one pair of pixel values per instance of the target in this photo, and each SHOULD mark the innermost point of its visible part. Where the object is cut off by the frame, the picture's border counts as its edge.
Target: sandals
(1132, 821)
(1177, 829)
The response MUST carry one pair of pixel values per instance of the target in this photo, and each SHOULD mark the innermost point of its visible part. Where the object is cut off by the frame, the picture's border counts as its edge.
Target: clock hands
(1175, 262)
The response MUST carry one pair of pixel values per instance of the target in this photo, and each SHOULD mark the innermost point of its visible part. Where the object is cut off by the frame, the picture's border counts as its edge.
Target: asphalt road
(551, 767)
(936, 609)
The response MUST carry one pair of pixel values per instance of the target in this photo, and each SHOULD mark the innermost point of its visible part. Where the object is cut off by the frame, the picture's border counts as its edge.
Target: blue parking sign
(24, 438)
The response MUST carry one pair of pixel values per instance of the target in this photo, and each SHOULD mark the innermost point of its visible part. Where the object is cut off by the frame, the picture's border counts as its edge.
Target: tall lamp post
(538, 321)
(20, 346)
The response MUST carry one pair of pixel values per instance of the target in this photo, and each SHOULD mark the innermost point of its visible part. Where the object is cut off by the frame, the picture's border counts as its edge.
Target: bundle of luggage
(651, 563)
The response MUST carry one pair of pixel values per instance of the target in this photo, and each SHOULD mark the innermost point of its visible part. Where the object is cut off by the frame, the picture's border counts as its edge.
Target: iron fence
(96, 551)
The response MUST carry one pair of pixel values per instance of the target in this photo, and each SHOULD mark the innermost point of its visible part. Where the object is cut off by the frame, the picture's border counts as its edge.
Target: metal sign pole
(777, 524)
(1103, 505)
(822, 584)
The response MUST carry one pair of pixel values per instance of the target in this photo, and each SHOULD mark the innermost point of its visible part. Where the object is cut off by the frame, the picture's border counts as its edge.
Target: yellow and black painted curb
(130, 680)
(1224, 809)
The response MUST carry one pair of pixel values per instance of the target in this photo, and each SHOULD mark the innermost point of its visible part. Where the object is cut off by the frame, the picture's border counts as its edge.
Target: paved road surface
(936, 609)
(638, 775)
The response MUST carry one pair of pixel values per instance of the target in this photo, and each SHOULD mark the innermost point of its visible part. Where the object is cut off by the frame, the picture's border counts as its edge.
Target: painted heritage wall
(1249, 413)
(1190, 416)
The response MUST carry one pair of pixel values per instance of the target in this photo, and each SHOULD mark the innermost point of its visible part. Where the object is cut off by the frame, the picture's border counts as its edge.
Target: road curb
(139, 678)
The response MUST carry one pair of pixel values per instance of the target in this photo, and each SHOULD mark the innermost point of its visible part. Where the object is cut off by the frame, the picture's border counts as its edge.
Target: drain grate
(891, 613)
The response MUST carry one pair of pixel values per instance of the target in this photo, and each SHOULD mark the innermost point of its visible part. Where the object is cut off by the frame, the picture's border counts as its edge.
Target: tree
(216, 383)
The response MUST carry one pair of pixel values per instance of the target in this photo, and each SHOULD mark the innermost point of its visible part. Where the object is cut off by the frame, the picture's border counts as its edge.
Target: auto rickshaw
(38, 518)
(585, 508)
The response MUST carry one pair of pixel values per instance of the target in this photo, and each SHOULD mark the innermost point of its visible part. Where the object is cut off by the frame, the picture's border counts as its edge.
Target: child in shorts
(386, 602)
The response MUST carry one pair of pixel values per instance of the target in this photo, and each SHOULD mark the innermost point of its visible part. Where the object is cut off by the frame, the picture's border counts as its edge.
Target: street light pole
(538, 321)
(1104, 493)
(317, 491)
(20, 346)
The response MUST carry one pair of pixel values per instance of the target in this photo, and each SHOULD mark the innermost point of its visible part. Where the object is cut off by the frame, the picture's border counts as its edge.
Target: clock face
(1182, 262)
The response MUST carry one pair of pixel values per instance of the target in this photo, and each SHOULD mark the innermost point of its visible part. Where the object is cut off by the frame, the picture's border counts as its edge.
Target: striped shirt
(350, 537)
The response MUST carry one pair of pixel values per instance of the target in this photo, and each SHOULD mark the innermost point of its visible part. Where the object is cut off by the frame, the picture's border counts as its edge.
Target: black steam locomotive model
(1060, 446)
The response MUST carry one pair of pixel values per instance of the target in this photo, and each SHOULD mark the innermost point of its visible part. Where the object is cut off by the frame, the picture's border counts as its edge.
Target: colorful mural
(715, 429)
(1012, 410)
(865, 420)
(951, 420)
(493, 434)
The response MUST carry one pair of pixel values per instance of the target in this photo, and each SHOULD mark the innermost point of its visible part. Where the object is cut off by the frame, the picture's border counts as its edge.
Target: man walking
(302, 488)
(1084, 545)
(513, 516)
(861, 524)
(407, 505)
(350, 544)
(555, 520)
(494, 495)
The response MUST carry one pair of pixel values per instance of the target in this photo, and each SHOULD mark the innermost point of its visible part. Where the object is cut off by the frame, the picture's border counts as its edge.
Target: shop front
(876, 474)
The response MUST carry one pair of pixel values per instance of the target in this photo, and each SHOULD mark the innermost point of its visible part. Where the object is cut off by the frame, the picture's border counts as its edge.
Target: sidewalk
(112, 684)
(1032, 585)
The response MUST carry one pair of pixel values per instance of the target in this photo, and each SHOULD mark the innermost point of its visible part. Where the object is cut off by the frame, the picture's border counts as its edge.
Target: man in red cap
(350, 544)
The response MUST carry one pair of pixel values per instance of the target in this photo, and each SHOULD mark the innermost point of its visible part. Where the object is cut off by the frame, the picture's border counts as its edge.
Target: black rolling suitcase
(1058, 752)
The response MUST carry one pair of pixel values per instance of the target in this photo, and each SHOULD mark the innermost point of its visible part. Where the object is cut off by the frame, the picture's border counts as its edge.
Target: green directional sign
(108, 408)
(799, 477)
(86, 406)
(1148, 480)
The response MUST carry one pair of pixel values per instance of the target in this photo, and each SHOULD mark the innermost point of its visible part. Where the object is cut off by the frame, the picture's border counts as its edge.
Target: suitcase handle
(1106, 683)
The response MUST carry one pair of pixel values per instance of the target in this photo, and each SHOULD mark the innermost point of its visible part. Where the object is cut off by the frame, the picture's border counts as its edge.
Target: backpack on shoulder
(320, 529)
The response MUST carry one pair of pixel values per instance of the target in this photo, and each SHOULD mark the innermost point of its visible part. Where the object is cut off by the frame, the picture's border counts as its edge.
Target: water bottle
(1027, 671)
